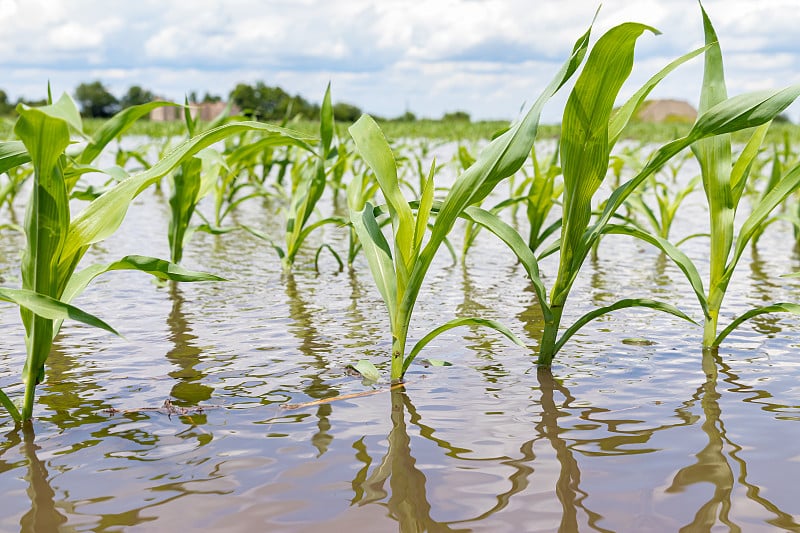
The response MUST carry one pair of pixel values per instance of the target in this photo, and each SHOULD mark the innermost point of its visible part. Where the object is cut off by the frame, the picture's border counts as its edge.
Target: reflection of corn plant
(399, 270)
(57, 242)
(724, 181)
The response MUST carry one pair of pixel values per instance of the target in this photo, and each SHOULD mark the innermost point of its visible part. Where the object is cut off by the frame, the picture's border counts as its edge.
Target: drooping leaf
(116, 126)
(783, 307)
(517, 245)
(621, 304)
(456, 322)
(50, 308)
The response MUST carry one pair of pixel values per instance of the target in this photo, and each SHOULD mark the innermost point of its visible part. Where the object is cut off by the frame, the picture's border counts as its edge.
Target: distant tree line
(259, 101)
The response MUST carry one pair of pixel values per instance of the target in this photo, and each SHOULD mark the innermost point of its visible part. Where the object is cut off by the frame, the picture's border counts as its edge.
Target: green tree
(6, 107)
(95, 100)
(136, 95)
(211, 98)
(271, 103)
(245, 96)
(346, 112)
(457, 116)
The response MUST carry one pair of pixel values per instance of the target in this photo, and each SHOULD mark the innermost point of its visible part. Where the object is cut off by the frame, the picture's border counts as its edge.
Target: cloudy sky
(486, 57)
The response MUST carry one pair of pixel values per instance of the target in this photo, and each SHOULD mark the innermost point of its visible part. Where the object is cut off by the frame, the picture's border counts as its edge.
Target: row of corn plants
(396, 215)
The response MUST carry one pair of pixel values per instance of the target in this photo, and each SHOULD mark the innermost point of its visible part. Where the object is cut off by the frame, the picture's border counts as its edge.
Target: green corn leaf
(507, 152)
(714, 156)
(182, 202)
(305, 198)
(741, 169)
(584, 142)
(115, 126)
(326, 123)
(366, 370)
(339, 221)
(375, 150)
(333, 252)
(624, 114)
(502, 157)
(424, 209)
(50, 308)
(789, 183)
(680, 259)
(45, 136)
(64, 109)
(159, 268)
(621, 304)
(6, 402)
(436, 362)
(517, 245)
(744, 111)
(456, 322)
(103, 216)
(774, 308)
(378, 253)
(12, 154)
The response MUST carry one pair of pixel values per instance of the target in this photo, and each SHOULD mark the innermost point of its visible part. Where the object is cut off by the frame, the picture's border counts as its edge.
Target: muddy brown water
(621, 435)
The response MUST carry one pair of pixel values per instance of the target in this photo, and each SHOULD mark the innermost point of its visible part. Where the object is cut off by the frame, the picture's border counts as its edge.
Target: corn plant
(724, 181)
(399, 270)
(668, 200)
(308, 189)
(589, 132)
(191, 182)
(57, 241)
(539, 193)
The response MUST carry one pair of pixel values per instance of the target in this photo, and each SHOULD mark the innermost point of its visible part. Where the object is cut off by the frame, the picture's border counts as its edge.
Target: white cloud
(484, 56)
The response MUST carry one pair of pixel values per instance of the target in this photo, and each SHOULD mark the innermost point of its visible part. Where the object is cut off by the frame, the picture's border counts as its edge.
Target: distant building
(667, 111)
(207, 111)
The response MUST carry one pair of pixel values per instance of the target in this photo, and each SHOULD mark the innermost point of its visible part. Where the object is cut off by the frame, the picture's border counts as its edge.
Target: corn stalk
(399, 270)
(57, 241)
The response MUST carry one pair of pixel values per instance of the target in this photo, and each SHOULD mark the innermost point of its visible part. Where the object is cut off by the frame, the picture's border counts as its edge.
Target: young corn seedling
(724, 181)
(400, 268)
(309, 188)
(57, 241)
(668, 200)
(540, 193)
(589, 131)
(191, 182)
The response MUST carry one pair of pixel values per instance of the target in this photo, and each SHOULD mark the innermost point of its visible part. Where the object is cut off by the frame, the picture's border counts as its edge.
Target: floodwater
(634, 429)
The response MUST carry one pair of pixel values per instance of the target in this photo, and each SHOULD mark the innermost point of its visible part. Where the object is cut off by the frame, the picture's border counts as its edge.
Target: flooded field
(191, 421)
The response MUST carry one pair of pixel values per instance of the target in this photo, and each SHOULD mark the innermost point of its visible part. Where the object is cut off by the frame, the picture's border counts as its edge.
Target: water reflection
(189, 389)
(407, 500)
(712, 465)
(315, 350)
(406, 497)
(568, 489)
(44, 513)
(766, 289)
(69, 396)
